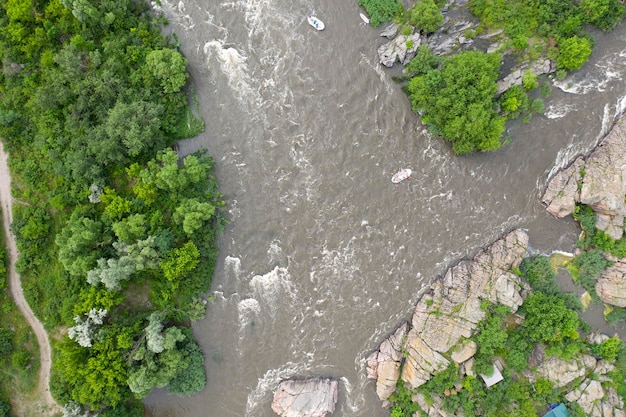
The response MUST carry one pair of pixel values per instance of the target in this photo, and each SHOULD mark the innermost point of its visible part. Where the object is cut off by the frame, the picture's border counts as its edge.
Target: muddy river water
(323, 256)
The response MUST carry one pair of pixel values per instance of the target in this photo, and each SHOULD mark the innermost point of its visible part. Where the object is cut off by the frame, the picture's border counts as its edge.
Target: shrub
(423, 61)
(573, 52)
(545, 90)
(537, 106)
(381, 11)
(529, 80)
(609, 349)
(590, 265)
(514, 101)
(425, 15)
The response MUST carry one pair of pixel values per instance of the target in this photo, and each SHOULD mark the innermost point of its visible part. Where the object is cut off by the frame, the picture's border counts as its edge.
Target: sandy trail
(15, 286)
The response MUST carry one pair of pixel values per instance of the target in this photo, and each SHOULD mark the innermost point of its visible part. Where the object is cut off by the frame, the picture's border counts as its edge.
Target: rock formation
(314, 397)
(598, 181)
(611, 285)
(401, 48)
(384, 364)
(449, 313)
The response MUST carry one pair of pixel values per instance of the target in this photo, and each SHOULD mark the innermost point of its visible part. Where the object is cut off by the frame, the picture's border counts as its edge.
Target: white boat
(364, 18)
(403, 174)
(315, 22)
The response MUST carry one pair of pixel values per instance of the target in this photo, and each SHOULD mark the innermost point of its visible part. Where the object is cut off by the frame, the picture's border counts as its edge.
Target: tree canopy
(457, 101)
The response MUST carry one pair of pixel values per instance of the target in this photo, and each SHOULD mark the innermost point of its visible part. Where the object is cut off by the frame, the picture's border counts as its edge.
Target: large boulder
(452, 310)
(562, 192)
(384, 364)
(611, 285)
(562, 372)
(402, 48)
(421, 362)
(313, 397)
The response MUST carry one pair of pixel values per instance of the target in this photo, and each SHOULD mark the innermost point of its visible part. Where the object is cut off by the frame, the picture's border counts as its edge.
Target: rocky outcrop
(421, 362)
(539, 67)
(449, 312)
(598, 181)
(384, 364)
(596, 400)
(464, 352)
(401, 48)
(611, 285)
(562, 372)
(314, 397)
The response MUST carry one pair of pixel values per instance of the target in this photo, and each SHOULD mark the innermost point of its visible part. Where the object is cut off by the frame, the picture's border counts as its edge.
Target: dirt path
(16, 288)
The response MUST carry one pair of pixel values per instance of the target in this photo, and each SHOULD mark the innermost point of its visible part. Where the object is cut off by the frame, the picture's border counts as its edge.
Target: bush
(537, 106)
(425, 15)
(381, 11)
(573, 53)
(609, 349)
(423, 61)
(529, 80)
(6, 342)
(458, 101)
(590, 265)
(514, 101)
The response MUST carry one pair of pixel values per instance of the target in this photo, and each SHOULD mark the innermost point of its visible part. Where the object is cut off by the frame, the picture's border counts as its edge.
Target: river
(323, 256)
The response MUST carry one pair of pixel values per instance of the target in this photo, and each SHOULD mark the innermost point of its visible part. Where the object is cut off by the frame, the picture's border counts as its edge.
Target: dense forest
(456, 94)
(116, 233)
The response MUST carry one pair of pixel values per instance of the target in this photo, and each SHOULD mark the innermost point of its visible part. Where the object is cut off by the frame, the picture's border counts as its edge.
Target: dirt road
(15, 286)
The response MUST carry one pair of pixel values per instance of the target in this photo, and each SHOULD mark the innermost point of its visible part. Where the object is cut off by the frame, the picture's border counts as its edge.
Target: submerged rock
(314, 397)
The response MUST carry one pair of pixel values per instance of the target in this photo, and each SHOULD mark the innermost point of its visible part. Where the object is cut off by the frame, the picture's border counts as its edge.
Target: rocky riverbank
(448, 313)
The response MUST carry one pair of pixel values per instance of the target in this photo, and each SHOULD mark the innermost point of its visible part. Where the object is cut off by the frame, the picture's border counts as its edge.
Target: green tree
(192, 214)
(426, 15)
(573, 52)
(180, 261)
(111, 272)
(548, 320)
(458, 101)
(169, 67)
(136, 125)
(80, 244)
(423, 61)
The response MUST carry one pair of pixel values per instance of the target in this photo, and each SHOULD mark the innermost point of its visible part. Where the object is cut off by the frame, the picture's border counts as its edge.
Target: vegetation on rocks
(116, 233)
(457, 96)
(546, 323)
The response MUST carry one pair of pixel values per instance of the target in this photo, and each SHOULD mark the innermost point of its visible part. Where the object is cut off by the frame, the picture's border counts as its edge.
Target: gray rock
(562, 192)
(314, 397)
(611, 285)
(422, 361)
(397, 49)
(390, 31)
(602, 187)
(464, 352)
(562, 372)
(539, 67)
